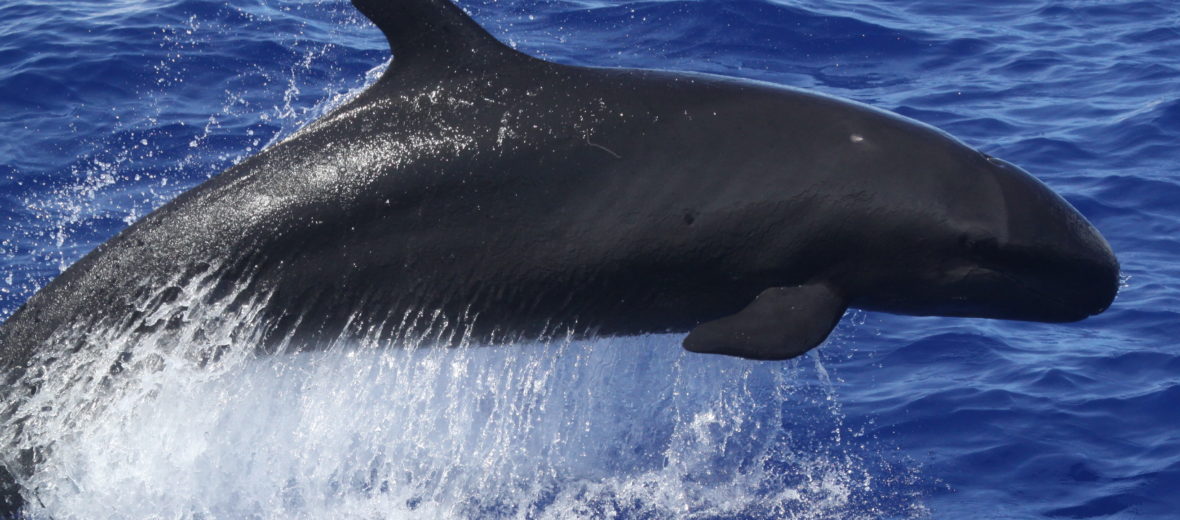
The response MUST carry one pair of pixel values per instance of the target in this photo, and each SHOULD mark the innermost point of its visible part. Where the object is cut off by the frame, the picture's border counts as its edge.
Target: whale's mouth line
(1059, 305)
(1059, 302)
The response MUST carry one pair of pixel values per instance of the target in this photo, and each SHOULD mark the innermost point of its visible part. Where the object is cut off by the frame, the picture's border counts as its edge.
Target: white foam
(563, 429)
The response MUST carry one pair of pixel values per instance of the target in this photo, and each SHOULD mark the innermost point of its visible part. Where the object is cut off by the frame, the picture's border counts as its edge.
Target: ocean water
(110, 108)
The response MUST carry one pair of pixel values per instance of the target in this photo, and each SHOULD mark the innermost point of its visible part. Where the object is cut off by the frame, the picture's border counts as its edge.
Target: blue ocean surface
(109, 108)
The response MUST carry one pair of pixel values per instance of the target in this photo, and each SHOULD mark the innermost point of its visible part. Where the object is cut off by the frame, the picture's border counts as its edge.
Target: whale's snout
(1108, 287)
(1054, 252)
(1086, 280)
(1093, 279)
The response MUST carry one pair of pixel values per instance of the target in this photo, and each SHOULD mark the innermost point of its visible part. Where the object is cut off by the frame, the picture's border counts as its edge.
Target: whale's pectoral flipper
(781, 323)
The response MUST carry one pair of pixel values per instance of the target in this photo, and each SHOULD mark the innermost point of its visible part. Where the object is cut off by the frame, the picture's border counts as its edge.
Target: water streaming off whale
(189, 421)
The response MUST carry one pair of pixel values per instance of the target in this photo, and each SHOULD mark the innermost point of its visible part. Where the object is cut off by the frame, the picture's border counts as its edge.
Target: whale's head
(1043, 262)
(1001, 245)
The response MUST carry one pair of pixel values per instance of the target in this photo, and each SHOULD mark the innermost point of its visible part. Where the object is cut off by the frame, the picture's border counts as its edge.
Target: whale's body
(505, 196)
(514, 196)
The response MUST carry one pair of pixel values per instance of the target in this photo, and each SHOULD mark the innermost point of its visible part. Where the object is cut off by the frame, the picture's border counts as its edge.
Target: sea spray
(559, 428)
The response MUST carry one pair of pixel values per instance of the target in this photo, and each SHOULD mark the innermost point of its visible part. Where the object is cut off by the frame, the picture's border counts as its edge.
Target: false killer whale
(510, 195)
(498, 194)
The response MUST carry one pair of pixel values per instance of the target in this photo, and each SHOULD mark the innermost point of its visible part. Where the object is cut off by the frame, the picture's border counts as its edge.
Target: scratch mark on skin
(603, 148)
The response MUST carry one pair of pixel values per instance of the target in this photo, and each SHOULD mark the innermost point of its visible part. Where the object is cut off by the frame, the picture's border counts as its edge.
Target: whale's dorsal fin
(432, 33)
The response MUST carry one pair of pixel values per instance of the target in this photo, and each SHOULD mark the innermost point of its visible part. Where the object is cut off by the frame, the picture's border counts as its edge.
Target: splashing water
(630, 428)
(179, 412)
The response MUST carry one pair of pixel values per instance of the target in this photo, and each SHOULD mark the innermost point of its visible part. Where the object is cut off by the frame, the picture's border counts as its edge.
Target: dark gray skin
(518, 197)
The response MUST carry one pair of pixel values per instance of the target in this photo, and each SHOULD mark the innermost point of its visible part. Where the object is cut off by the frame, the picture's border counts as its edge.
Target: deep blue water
(109, 108)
